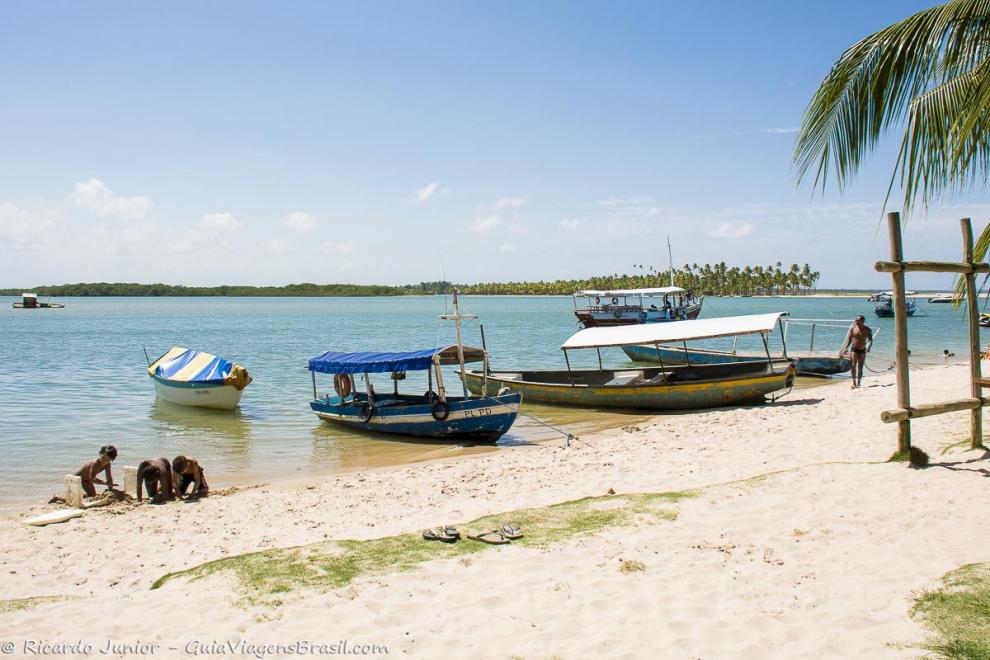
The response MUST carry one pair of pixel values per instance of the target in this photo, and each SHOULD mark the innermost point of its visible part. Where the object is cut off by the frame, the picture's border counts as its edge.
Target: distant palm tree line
(716, 280)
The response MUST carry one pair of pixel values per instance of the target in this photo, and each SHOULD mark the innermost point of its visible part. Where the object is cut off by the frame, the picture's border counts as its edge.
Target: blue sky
(267, 143)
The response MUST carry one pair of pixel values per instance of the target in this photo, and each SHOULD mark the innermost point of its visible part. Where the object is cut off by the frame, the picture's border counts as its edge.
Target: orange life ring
(342, 384)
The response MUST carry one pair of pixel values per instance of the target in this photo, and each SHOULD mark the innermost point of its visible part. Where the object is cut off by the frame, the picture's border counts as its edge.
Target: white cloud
(28, 229)
(486, 223)
(274, 246)
(94, 195)
(779, 131)
(642, 206)
(732, 230)
(506, 248)
(570, 223)
(299, 221)
(219, 222)
(508, 203)
(427, 192)
(347, 247)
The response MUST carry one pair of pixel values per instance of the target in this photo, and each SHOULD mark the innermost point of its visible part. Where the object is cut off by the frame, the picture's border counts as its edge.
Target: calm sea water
(74, 379)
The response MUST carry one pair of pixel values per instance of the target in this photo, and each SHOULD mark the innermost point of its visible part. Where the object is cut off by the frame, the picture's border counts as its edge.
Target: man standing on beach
(859, 340)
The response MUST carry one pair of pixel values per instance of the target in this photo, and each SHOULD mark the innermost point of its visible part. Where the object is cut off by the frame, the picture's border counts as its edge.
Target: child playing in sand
(155, 476)
(89, 471)
(186, 472)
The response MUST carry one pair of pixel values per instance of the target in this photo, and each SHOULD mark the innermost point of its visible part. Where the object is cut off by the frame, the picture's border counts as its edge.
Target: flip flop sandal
(511, 532)
(450, 530)
(438, 534)
(493, 537)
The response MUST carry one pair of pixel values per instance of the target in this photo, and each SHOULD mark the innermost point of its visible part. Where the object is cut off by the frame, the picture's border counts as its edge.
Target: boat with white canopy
(884, 307)
(663, 387)
(635, 306)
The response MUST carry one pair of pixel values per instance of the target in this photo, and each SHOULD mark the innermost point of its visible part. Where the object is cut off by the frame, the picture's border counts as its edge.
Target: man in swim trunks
(859, 340)
(186, 472)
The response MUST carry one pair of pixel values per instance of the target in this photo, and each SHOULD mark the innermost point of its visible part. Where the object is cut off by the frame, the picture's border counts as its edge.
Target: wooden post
(972, 307)
(900, 334)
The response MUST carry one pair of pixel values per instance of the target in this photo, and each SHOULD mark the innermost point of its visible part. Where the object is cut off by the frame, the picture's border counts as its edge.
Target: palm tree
(930, 70)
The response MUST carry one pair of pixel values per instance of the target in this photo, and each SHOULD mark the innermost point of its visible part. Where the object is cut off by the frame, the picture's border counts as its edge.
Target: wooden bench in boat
(620, 378)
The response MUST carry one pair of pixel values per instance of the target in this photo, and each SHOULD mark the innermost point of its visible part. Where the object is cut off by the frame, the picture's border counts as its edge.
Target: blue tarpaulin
(192, 366)
(333, 362)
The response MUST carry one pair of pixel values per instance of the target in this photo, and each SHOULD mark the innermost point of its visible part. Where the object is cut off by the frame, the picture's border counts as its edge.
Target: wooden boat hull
(482, 419)
(198, 395)
(677, 388)
(629, 315)
(815, 365)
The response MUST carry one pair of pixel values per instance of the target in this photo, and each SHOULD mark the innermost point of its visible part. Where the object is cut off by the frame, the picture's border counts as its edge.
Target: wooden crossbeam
(931, 267)
(929, 409)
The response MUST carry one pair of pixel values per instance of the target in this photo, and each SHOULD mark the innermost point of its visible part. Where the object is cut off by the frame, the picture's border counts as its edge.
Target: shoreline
(786, 544)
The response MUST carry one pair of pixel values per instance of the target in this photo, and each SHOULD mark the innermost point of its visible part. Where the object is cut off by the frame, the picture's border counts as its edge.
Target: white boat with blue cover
(190, 377)
(430, 415)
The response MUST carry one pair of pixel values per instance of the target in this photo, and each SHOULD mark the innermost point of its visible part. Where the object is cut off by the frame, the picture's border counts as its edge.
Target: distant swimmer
(859, 340)
(946, 354)
(186, 471)
(155, 475)
(87, 473)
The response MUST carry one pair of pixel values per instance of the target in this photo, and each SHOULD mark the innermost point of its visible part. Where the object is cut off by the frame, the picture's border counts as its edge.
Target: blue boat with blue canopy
(433, 414)
(191, 377)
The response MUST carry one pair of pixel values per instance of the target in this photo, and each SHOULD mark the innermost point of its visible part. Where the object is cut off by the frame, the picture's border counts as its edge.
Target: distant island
(709, 279)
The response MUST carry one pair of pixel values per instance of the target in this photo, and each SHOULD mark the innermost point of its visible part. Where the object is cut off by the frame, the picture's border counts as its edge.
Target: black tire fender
(441, 411)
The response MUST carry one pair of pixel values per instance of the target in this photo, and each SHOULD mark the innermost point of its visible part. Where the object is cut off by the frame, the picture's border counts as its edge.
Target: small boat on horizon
(884, 307)
(30, 301)
(195, 378)
(653, 388)
(944, 298)
(434, 414)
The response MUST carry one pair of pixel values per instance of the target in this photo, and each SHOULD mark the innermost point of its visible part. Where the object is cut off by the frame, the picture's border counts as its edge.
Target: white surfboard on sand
(53, 517)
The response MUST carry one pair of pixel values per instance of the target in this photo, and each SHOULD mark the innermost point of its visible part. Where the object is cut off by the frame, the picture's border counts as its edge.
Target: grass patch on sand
(332, 564)
(18, 604)
(958, 613)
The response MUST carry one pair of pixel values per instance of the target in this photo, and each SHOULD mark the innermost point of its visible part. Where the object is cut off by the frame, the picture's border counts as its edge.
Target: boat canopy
(333, 362)
(633, 292)
(674, 331)
(186, 365)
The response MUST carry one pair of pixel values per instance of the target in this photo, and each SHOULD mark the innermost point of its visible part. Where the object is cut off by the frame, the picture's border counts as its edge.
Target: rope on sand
(569, 436)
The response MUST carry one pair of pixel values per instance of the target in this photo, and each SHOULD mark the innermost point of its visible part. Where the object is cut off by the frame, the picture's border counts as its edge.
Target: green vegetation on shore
(717, 279)
(958, 613)
(332, 564)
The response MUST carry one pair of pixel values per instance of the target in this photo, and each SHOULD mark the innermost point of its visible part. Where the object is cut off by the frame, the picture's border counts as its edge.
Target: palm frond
(924, 68)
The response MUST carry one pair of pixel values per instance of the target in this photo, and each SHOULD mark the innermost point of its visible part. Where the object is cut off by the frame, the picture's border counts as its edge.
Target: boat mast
(456, 317)
(670, 260)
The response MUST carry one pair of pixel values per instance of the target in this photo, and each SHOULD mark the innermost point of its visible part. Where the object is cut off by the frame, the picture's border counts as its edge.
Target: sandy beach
(786, 533)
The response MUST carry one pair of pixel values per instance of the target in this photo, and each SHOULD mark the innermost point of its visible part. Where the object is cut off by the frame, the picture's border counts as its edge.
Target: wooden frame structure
(897, 266)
